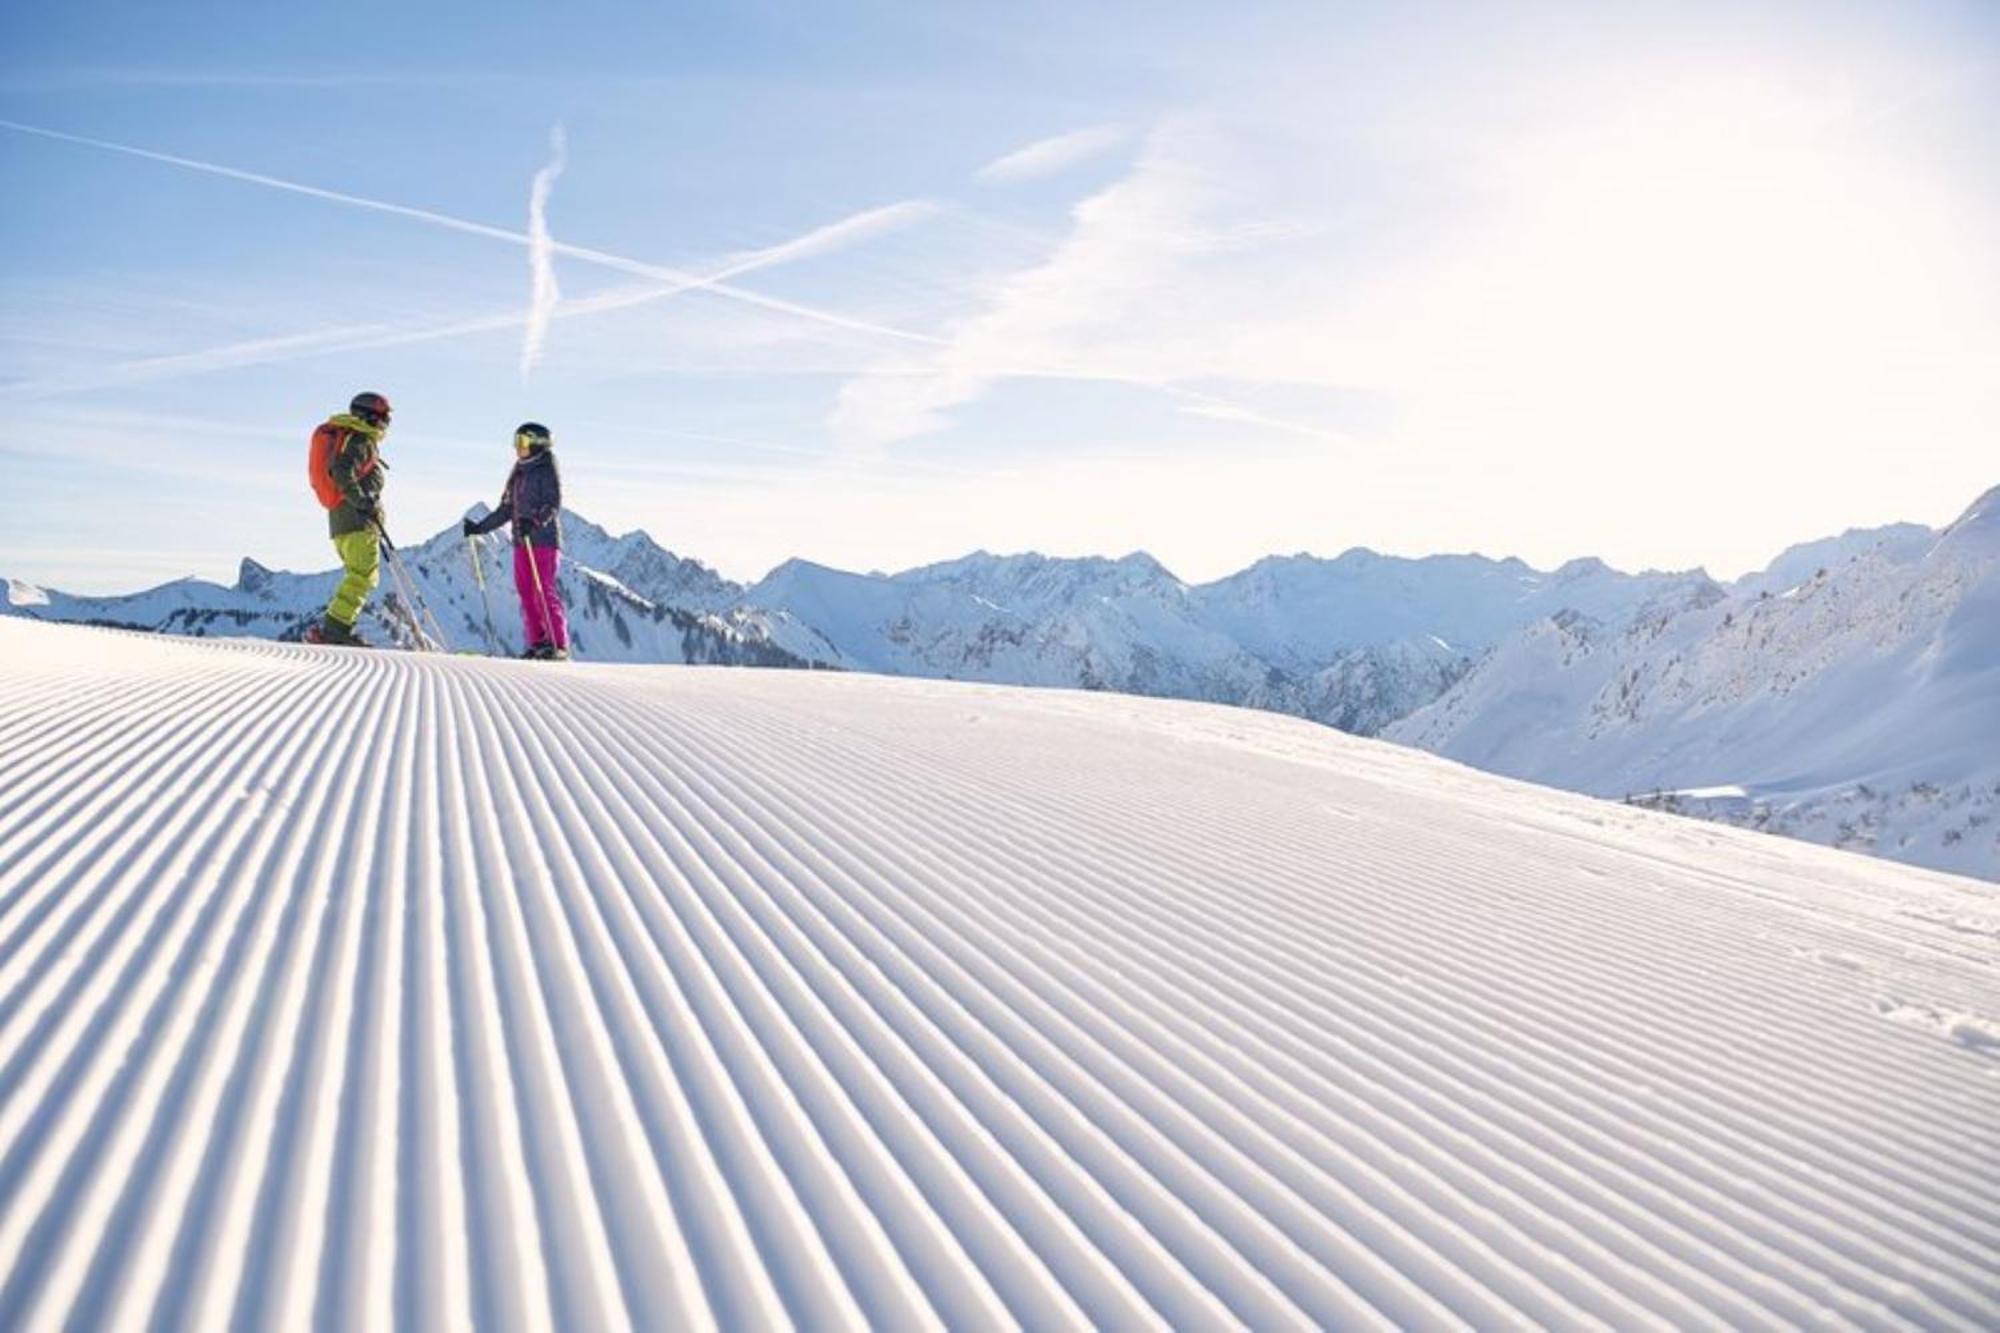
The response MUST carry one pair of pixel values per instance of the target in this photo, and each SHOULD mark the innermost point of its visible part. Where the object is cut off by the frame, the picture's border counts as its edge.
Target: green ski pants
(361, 557)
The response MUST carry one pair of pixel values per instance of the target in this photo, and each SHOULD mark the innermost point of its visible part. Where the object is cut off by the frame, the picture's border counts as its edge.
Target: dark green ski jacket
(358, 470)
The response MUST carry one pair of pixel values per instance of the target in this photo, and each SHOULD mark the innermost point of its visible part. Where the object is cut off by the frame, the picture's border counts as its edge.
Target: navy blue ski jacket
(531, 501)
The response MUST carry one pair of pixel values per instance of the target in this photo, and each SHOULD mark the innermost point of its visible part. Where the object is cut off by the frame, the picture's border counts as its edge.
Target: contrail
(543, 292)
(370, 337)
(679, 278)
(275, 183)
(833, 236)
(672, 281)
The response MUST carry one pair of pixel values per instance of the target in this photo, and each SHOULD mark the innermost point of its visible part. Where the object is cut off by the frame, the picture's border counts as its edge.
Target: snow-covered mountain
(1091, 623)
(609, 997)
(1841, 694)
(1898, 543)
(629, 600)
(1300, 612)
(640, 564)
(1355, 642)
(1859, 706)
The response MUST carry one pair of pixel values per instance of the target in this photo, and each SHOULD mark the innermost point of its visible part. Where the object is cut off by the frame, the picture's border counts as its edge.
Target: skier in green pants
(347, 475)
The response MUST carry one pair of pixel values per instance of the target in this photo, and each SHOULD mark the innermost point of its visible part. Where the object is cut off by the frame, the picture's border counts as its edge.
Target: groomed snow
(373, 990)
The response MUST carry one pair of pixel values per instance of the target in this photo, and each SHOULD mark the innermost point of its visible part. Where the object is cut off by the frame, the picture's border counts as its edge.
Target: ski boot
(331, 632)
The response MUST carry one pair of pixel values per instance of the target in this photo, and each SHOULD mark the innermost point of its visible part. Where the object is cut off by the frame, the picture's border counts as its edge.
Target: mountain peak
(1975, 535)
(252, 577)
(25, 594)
(1145, 564)
(1584, 566)
(1983, 514)
(795, 568)
(581, 526)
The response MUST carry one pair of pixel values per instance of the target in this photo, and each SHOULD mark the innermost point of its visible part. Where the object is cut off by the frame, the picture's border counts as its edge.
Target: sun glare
(1726, 252)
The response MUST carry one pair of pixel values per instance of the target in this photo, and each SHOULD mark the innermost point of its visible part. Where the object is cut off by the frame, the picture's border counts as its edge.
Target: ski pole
(535, 570)
(485, 603)
(399, 576)
(419, 609)
(396, 579)
(423, 605)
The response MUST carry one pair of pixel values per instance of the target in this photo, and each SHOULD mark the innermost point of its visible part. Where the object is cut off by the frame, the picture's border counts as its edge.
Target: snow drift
(374, 989)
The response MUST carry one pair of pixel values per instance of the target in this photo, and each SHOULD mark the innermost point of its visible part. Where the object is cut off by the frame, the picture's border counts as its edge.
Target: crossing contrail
(680, 279)
(661, 282)
(370, 337)
(664, 281)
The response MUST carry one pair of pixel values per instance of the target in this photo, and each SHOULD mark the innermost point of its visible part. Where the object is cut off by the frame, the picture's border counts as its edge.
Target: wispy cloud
(542, 290)
(1208, 406)
(1106, 306)
(229, 356)
(1046, 157)
(1124, 241)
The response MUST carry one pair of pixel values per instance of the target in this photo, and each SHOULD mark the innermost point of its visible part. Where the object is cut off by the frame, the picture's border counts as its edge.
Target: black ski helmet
(532, 435)
(372, 408)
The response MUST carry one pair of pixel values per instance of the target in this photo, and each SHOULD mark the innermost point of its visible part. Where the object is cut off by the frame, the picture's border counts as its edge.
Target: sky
(879, 284)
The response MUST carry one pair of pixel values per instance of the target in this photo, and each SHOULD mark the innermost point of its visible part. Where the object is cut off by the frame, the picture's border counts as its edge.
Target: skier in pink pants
(532, 502)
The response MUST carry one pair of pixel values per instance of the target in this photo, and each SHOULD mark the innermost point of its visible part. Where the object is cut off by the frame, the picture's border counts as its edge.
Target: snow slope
(379, 989)
(1859, 707)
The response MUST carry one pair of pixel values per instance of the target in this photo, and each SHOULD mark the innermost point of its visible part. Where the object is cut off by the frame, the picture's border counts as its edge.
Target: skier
(347, 473)
(532, 501)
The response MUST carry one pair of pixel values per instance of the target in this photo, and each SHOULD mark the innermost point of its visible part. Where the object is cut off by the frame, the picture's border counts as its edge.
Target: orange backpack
(326, 445)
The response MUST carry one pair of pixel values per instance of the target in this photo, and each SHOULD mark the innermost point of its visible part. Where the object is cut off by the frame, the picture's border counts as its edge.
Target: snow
(1899, 543)
(1355, 642)
(1848, 688)
(385, 990)
(1300, 609)
(629, 600)
(1860, 708)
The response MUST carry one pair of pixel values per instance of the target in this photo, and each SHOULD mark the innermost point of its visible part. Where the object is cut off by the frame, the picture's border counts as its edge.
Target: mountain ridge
(1096, 622)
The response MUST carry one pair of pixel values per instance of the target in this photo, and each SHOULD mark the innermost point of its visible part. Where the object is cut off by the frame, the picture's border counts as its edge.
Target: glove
(470, 528)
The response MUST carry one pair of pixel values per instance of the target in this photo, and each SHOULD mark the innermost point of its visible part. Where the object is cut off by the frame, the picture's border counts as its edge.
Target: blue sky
(1672, 288)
